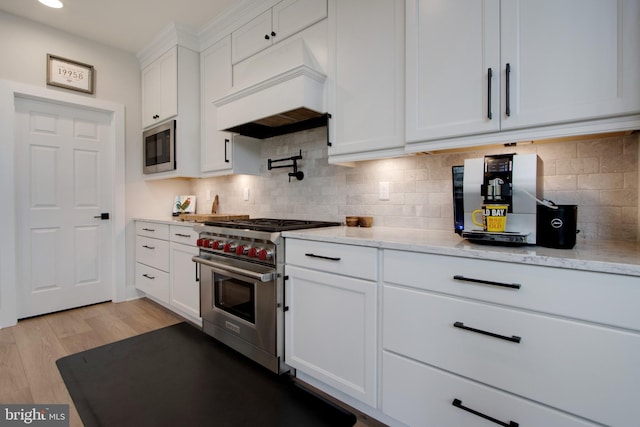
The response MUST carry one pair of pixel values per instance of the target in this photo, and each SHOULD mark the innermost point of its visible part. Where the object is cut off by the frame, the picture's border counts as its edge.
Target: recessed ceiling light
(56, 4)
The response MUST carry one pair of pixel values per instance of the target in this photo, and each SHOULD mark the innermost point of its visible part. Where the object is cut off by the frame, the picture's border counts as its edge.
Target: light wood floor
(29, 350)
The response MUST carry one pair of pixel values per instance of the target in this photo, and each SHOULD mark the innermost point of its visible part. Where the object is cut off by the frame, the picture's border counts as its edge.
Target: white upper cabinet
(160, 89)
(494, 66)
(366, 89)
(570, 60)
(284, 19)
(222, 152)
(215, 72)
(171, 89)
(451, 46)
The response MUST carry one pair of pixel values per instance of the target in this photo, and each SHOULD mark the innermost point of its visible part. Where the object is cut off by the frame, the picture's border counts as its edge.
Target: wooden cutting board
(210, 217)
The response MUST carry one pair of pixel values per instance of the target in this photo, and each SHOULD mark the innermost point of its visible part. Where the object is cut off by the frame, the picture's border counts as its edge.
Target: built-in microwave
(159, 148)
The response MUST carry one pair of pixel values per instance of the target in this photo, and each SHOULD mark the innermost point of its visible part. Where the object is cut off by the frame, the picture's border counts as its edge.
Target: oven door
(238, 300)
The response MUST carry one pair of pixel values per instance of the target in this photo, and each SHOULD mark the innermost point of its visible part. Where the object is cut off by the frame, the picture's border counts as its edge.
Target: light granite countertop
(600, 256)
(166, 220)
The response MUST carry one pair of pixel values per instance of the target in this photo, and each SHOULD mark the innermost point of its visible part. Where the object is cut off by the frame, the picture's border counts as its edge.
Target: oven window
(235, 297)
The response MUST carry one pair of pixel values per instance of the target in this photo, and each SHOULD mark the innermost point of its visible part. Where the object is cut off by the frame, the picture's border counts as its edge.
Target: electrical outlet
(245, 194)
(384, 190)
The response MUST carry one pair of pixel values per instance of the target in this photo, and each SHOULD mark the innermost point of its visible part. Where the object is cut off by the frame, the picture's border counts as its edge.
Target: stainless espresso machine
(509, 179)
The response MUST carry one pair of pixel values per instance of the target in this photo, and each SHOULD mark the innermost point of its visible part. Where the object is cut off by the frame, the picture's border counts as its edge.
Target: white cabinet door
(153, 282)
(252, 37)
(367, 78)
(548, 65)
(283, 20)
(185, 289)
(292, 16)
(330, 330)
(420, 395)
(216, 77)
(554, 361)
(221, 152)
(452, 47)
(568, 65)
(152, 252)
(160, 89)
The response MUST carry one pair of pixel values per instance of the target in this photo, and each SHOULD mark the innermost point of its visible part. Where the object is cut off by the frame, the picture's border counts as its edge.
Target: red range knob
(204, 243)
(252, 253)
(215, 244)
(242, 250)
(200, 243)
(265, 254)
(229, 247)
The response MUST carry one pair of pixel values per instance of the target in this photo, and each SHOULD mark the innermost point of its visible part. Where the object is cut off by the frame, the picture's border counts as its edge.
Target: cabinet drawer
(152, 229)
(152, 282)
(598, 297)
(346, 260)
(557, 362)
(419, 395)
(152, 252)
(183, 234)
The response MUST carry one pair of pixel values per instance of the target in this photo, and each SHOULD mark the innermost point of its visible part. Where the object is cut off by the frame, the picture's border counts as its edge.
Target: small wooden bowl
(365, 221)
(351, 221)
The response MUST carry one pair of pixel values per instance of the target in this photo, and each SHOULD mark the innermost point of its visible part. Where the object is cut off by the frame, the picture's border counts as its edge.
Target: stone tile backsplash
(600, 175)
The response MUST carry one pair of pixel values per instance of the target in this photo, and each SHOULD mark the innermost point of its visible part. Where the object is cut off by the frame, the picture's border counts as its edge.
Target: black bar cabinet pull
(149, 247)
(328, 135)
(508, 105)
(149, 229)
(182, 235)
(489, 77)
(226, 157)
(197, 275)
(330, 258)
(458, 404)
(512, 338)
(148, 277)
(486, 282)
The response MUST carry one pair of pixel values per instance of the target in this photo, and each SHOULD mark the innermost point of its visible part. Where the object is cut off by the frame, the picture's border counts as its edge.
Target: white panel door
(331, 330)
(64, 182)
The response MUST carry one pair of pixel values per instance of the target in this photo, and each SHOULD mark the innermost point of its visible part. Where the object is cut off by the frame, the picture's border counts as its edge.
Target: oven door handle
(263, 277)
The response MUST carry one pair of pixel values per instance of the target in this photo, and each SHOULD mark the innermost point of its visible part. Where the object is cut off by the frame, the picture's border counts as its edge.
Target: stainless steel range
(242, 284)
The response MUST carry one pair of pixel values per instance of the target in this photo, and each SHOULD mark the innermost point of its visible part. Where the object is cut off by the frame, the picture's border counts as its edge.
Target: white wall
(600, 175)
(24, 49)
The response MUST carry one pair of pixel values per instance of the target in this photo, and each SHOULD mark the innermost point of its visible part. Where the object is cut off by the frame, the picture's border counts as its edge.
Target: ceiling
(125, 24)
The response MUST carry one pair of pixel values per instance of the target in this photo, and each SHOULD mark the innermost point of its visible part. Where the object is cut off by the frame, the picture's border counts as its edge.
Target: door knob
(103, 215)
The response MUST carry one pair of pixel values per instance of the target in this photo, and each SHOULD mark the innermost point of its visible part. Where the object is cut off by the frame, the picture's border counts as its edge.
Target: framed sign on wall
(68, 74)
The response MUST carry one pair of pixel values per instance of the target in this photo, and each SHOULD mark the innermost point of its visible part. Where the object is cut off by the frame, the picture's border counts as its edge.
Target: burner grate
(271, 224)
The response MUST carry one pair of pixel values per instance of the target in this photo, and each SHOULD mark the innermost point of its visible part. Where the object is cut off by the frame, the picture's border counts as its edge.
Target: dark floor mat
(179, 376)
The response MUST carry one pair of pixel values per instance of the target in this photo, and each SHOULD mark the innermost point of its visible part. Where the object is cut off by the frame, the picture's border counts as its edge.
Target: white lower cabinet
(462, 342)
(495, 349)
(152, 260)
(164, 270)
(185, 288)
(424, 396)
(330, 322)
(153, 282)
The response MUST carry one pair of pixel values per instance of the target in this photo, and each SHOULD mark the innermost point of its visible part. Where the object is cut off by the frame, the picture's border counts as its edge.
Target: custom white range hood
(279, 92)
